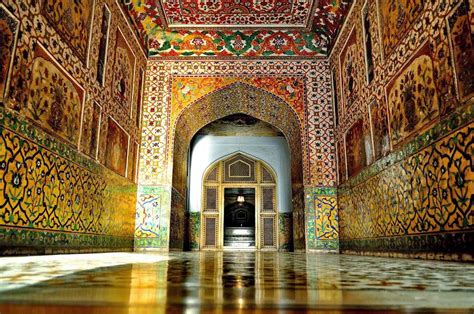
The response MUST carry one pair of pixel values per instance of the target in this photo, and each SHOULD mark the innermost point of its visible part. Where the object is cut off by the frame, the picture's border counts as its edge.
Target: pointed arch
(244, 99)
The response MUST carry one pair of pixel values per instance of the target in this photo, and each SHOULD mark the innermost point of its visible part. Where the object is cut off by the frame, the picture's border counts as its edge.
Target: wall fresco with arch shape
(172, 85)
(238, 98)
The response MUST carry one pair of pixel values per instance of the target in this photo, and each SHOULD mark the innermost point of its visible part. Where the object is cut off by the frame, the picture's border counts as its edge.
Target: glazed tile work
(164, 40)
(322, 230)
(235, 98)
(243, 281)
(56, 136)
(404, 142)
(429, 192)
(53, 198)
(194, 230)
(285, 231)
(177, 89)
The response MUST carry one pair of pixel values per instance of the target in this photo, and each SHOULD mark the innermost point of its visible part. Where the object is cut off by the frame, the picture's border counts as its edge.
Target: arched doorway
(238, 98)
(239, 205)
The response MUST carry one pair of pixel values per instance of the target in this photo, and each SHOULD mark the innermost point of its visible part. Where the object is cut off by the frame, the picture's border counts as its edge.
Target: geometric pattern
(157, 115)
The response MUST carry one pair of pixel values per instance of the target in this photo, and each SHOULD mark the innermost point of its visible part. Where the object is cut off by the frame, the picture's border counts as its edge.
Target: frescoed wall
(268, 89)
(60, 190)
(404, 144)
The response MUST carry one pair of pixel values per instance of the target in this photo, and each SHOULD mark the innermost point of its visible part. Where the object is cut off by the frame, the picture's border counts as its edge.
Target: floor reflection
(231, 282)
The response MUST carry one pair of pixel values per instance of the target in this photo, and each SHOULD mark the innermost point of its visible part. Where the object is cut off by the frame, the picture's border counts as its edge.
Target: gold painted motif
(430, 191)
(44, 191)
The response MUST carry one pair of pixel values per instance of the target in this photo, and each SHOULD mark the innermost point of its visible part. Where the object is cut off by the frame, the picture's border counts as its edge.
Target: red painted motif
(237, 12)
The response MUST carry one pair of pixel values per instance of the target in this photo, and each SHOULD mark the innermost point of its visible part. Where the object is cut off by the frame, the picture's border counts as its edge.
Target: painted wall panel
(415, 197)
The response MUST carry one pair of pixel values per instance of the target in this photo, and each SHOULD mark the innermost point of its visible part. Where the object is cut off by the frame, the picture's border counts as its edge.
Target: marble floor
(228, 282)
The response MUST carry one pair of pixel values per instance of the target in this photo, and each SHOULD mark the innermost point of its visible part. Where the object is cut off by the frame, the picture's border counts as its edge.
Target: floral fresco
(161, 41)
(413, 96)
(188, 89)
(356, 153)
(91, 129)
(124, 71)
(397, 18)
(461, 35)
(341, 162)
(350, 70)
(103, 45)
(132, 162)
(230, 12)
(72, 20)
(379, 125)
(55, 99)
(117, 148)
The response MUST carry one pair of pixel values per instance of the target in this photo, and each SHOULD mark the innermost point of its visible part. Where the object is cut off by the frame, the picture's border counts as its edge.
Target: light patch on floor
(18, 272)
(225, 281)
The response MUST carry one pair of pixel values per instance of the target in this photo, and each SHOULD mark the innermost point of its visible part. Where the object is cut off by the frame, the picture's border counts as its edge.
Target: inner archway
(234, 99)
(240, 209)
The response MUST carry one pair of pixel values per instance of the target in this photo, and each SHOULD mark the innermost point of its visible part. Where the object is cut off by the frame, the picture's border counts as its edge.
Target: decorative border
(17, 239)
(17, 124)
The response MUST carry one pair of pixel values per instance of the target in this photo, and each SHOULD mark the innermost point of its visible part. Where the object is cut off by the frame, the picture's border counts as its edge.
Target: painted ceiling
(237, 13)
(241, 28)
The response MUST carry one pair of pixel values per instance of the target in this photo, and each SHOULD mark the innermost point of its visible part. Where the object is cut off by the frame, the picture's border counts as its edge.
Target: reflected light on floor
(243, 282)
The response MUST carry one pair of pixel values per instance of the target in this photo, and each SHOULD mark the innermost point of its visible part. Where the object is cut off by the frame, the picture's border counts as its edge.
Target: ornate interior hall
(236, 156)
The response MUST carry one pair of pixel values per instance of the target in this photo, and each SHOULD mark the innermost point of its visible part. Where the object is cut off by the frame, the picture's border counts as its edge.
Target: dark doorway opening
(239, 217)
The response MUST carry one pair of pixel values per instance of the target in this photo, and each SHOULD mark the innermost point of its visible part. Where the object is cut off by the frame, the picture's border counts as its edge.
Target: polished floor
(241, 282)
